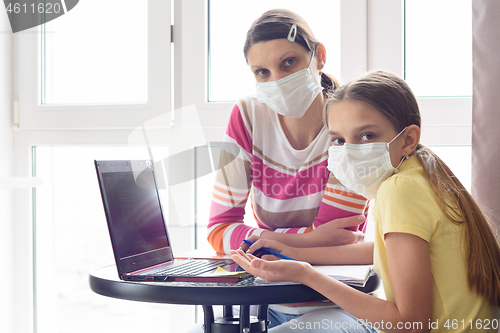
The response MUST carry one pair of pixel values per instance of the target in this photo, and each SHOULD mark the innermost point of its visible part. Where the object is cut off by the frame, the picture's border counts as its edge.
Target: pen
(265, 250)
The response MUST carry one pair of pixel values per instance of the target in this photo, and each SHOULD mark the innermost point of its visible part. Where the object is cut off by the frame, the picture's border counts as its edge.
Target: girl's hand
(272, 271)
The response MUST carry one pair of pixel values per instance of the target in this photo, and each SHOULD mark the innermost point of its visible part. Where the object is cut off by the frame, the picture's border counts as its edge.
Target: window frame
(445, 120)
(33, 115)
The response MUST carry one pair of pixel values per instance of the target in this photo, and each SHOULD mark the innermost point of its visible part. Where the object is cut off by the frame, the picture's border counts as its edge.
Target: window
(107, 62)
(225, 46)
(438, 68)
(101, 72)
(72, 239)
(438, 47)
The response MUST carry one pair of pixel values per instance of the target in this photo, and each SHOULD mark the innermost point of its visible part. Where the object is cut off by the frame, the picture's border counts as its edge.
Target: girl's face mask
(362, 167)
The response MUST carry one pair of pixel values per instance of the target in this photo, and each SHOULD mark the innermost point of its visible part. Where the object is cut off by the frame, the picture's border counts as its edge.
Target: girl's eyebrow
(358, 129)
(365, 127)
(332, 133)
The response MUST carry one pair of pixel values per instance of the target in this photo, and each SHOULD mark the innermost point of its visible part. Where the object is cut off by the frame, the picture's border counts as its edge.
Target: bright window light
(97, 53)
(72, 239)
(438, 41)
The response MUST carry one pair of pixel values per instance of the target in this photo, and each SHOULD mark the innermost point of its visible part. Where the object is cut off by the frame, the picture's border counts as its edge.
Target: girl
(434, 250)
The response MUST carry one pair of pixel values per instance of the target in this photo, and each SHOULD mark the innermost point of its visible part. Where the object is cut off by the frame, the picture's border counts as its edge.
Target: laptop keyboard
(188, 267)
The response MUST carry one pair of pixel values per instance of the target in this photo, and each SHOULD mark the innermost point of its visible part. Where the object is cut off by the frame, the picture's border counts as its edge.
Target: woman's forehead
(271, 50)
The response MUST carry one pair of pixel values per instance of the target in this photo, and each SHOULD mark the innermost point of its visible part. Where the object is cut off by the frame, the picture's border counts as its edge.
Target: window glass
(72, 239)
(229, 76)
(438, 47)
(459, 160)
(87, 58)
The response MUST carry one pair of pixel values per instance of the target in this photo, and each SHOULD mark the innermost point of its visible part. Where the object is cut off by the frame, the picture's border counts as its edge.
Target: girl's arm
(410, 277)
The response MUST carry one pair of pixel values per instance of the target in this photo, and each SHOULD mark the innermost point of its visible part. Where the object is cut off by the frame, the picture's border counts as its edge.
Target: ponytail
(329, 83)
(482, 248)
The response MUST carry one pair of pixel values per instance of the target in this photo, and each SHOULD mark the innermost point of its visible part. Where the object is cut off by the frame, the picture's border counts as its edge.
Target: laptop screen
(134, 214)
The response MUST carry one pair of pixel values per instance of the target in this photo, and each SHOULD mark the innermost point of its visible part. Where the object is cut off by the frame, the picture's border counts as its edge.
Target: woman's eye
(367, 137)
(261, 72)
(338, 142)
(289, 62)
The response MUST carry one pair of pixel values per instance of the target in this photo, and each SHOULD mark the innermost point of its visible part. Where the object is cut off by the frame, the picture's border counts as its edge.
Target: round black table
(105, 281)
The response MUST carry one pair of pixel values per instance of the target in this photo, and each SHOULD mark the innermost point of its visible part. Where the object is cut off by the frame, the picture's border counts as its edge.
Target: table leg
(263, 315)
(208, 315)
(244, 318)
(227, 311)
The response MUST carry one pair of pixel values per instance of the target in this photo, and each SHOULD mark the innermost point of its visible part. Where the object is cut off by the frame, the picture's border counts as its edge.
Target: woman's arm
(353, 254)
(410, 277)
(328, 234)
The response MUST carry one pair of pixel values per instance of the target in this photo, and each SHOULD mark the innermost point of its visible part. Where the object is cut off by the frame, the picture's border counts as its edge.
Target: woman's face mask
(292, 95)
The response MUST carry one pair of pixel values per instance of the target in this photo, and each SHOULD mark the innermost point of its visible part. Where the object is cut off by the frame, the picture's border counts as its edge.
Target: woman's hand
(245, 246)
(270, 244)
(272, 271)
(273, 245)
(328, 234)
(334, 233)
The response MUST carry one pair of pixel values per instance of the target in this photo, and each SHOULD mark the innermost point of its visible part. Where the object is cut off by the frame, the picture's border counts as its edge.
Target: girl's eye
(338, 142)
(367, 137)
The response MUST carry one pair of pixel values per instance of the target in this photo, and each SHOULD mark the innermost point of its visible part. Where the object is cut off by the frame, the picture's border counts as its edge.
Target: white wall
(6, 170)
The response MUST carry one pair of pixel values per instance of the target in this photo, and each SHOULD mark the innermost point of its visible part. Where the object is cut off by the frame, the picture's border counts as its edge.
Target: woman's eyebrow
(280, 58)
(286, 54)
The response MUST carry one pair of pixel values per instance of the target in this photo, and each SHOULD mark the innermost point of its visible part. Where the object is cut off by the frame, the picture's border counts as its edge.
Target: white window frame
(33, 115)
(445, 120)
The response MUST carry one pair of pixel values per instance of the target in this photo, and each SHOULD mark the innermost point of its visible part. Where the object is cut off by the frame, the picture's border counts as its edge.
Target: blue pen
(264, 250)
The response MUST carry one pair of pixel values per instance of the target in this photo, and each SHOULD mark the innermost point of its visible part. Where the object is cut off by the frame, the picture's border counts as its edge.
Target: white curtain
(486, 107)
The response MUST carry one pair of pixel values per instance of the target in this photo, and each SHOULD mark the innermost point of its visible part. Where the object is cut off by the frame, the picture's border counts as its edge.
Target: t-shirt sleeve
(339, 202)
(232, 184)
(405, 206)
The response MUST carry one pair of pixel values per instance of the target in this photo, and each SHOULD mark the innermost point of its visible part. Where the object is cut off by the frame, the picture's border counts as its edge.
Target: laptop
(138, 232)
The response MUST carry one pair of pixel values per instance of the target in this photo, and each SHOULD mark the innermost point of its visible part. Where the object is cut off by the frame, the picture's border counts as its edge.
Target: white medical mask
(362, 167)
(292, 95)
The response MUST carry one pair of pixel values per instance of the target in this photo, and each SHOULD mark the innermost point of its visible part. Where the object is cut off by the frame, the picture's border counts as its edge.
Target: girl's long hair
(391, 95)
(276, 24)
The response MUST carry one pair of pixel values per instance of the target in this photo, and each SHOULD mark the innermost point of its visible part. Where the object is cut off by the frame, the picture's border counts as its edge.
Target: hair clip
(293, 33)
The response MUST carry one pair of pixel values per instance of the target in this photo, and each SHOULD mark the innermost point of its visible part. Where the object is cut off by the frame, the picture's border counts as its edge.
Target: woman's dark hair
(391, 96)
(276, 24)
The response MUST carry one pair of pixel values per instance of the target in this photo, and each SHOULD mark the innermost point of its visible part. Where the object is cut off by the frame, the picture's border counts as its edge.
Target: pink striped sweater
(291, 190)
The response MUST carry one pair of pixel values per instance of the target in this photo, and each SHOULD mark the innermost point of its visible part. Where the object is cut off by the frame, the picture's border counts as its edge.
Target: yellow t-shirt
(406, 203)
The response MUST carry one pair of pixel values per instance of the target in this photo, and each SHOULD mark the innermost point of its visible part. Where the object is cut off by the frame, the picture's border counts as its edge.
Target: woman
(276, 148)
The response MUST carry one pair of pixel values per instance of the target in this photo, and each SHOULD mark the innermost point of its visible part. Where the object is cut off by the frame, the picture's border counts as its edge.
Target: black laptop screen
(135, 214)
